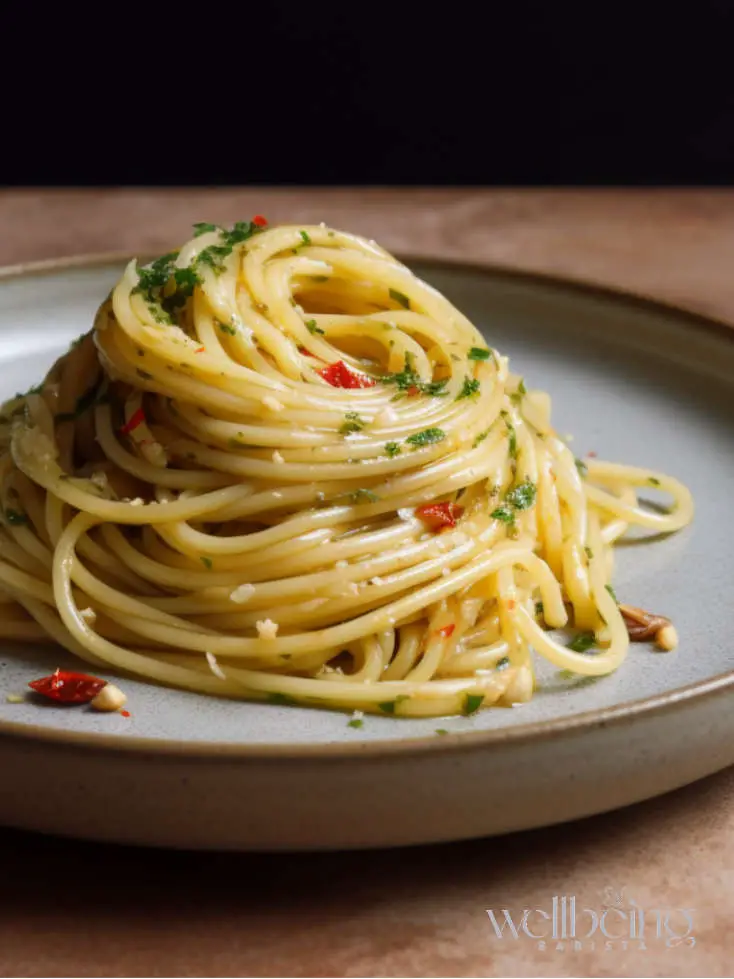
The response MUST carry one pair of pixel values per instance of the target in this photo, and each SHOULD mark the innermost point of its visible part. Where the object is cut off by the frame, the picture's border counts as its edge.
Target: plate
(632, 380)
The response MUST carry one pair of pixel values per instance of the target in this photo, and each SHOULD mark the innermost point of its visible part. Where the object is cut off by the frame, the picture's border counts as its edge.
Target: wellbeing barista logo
(620, 923)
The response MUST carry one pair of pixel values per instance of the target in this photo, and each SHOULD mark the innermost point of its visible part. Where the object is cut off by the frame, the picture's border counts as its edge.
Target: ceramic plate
(633, 381)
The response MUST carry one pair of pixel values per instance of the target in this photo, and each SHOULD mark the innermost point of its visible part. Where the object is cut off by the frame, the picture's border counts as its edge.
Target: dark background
(482, 93)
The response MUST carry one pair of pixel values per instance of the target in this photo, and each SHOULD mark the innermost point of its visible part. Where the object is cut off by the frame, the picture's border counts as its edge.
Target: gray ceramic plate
(633, 381)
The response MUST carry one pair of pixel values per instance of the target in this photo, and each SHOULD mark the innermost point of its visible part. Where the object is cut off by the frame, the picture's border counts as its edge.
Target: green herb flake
(355, 723)
(227, 328)
(522, 497)
(538, 608)
(503, 663)
(511, 440)
(480, 438)
(15, 518)
(352, 423)
(319, 278)
(504, 513)
(392, 449)
(479, 353)
(582, 467)
(469, 388)
(313, 328)
(201, 228)
(653, 481)
(363, 496)
(305, 237)
(282, 699)
(517, 396)
(472, 703)
(388, 706)
(207, 562)
(582, 643)
(589, 553)
(429, 436)
(612, 593)
(399, 297)
(408, 378)
(441, 731)
(84, 403)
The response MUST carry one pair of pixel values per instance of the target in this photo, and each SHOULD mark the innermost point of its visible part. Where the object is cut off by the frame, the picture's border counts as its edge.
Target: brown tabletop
(76, 909)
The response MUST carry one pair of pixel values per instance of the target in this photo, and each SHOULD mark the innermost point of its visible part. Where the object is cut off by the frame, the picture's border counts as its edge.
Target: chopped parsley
(479, 353)
(480, 438)
(207, 562)
(472, 703)
(612, 593)
(511, 440)
(15, 518)
(320, 278)
(503, 663)
(355, 722)
(518, 395)
(305, 237)
(407, 379)
(653, 481)
(392, 449)
(522, 497)
(469, 388)
(353, 423)
(538, 608)
(388, 706)
(214, 255)
(581, 466)
(313, 328)
(427, 437)
(441, 731)
(283, 699)
(363, 496)
(227, 328)
(589, 553)
(400, 297)
(582, 643)
(201, 228)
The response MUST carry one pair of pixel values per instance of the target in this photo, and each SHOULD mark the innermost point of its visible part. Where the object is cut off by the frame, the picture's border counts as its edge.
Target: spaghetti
(282, 467)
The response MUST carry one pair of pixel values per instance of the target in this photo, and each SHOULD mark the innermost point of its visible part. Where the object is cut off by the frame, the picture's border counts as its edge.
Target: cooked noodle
(192, 496)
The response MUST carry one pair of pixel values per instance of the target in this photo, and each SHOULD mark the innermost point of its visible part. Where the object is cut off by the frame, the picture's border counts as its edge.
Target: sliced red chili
(440, 515)
(447, 630)
(412, 391)
(259, 220)
(340, 376)
(137, 418)
(66, 687)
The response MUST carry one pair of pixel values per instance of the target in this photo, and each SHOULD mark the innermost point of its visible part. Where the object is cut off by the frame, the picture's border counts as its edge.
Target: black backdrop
(528, 93)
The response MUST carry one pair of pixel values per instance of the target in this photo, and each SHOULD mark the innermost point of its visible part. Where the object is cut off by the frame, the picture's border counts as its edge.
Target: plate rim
(515, 735)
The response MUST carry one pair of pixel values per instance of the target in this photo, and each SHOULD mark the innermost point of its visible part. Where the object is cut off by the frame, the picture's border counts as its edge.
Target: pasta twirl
(282, 467)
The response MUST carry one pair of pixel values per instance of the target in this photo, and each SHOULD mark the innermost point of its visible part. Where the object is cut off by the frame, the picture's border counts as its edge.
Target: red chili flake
(68, 688)
(591, 455)
(511, 604)
(412, 391)
(200, 350)
(306, 353)
(259, 220)
(137, 418)
(440, 515)
(447, 630)
(340, 376)
(125, 713)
